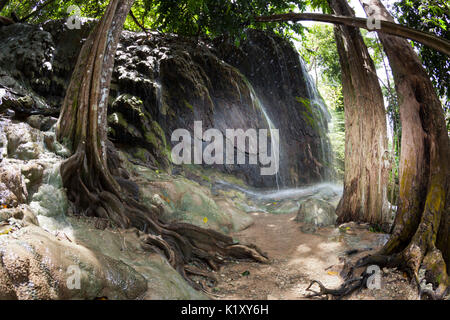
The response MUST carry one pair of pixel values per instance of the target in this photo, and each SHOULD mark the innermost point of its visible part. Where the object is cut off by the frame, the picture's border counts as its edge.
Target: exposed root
(345, 289)
(96, 183)
(433, 263)
(436, 274)
(190, 249)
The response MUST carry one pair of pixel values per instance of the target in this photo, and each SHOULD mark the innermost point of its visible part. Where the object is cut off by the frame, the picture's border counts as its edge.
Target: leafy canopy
(432, 16)
(186, 17)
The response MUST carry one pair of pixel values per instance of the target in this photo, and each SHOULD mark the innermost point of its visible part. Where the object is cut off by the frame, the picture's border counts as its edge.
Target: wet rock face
(180, 81)
(26, 61)
(35, 66)
(164, 82)
(277, 73)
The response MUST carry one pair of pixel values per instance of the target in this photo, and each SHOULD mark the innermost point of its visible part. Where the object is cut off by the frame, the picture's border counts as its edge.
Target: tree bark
(420, 236)
(387, 27)
(365, 177)
(92, 173)
(421, 230)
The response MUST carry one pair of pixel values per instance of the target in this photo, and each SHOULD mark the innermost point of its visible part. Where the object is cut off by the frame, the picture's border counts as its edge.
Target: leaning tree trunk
(387, 27)
(91, 174)
(421, 230)
(365, 177)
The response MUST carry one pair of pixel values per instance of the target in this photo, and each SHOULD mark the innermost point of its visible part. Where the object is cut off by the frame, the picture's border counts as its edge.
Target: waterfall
(292, 193)
(159, 97)
(273, 140)
(316, 100)
(312, 92)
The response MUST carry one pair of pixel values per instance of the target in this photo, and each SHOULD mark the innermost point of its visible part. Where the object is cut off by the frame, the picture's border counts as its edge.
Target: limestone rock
(33, 173)
(317, 213)
(41, 122)
(13, 190)
(22, 142)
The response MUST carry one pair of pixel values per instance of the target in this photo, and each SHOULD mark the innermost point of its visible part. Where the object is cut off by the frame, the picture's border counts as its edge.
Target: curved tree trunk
(387, 27)
(90, 173)
(420, 235)
(421, 231)
(365, 177)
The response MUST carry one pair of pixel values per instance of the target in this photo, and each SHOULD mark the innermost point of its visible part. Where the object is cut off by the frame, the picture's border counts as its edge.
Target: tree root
(433, 264)
(189, 249)
(94, 177)
(347, 288)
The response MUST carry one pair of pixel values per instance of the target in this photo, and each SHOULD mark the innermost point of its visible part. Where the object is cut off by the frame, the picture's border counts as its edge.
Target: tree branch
(137, 22)
(42, 6)
(391, 28)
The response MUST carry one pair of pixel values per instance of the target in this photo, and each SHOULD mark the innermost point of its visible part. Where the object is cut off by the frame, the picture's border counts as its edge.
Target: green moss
(188, 105)
(117, 119)
(206, 178)
(308, 114)
(159, 131)
(436, 197)
(152, 139)
(305, 102)
(439, 278)
(140, 154)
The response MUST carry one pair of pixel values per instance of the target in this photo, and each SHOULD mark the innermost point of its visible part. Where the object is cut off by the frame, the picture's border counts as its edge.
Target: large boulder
(82, 262)
(22, 142)
(183, 200)
(316, 212)
(13, 190)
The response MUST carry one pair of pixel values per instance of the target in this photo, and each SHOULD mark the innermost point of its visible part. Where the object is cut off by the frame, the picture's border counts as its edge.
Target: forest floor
(298, 257)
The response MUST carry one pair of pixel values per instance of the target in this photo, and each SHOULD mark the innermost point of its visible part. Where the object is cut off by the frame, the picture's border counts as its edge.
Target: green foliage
(374, 47)
(318, 49)
(431, 16)
(376, 228)
(53, 9)
(216, 17)
(393, 113)
(319, 4)
(184, 17)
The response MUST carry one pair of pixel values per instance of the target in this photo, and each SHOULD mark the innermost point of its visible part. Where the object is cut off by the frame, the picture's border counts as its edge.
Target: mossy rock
(191, 203)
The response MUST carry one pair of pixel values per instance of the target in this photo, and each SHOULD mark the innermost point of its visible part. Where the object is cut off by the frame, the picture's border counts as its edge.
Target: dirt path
(298, 257)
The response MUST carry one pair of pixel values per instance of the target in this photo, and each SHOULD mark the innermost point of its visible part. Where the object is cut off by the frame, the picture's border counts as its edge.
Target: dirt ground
(299, 256)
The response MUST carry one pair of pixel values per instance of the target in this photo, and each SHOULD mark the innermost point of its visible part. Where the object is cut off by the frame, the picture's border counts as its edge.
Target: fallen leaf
(4, 230)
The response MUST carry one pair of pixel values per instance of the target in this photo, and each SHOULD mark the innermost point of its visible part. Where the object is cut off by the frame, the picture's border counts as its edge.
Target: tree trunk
(421, 230)
(387, 27)
(92, 173)
(365, 177)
